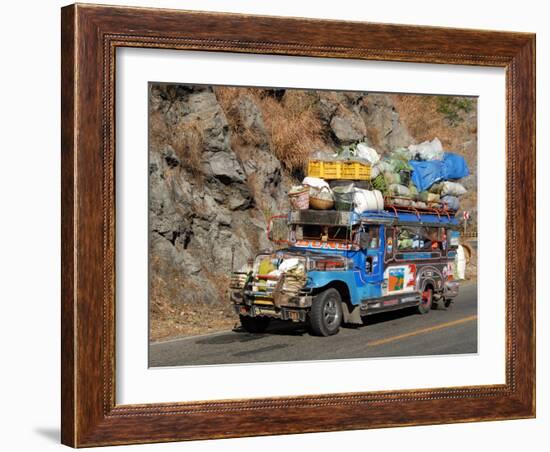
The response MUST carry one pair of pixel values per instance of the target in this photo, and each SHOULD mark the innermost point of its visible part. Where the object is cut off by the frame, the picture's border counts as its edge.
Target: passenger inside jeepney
(418, 238)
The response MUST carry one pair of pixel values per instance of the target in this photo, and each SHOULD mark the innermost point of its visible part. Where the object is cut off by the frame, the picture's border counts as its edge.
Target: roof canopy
(342, 218)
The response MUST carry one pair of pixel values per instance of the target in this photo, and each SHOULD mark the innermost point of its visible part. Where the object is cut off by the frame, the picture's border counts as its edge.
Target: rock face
(355, 116)
(200, 223)
(347, 126)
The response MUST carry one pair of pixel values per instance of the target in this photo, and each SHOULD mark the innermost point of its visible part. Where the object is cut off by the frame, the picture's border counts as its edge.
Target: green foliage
(450, 107)
(379, 183)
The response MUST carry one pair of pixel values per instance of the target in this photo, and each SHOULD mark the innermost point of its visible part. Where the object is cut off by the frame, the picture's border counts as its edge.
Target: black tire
(426, 301)
(254, 325)
(326, 314)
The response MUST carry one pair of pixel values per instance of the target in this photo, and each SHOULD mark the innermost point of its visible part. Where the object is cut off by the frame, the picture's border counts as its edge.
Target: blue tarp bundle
(427, 173)
(455, 166)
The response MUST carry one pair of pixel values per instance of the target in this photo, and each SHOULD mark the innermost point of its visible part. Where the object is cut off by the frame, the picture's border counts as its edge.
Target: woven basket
(321, 199)
(299, 200)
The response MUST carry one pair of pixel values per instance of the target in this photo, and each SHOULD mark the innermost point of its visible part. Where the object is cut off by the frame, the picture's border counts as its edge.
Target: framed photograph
(281, 225)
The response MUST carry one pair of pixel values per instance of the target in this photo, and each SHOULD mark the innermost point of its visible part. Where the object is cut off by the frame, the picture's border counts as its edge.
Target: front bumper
(295, 308)
(283, 313)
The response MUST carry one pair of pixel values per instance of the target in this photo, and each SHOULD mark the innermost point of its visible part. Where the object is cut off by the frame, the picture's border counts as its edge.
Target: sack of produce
(413, 191)
(451, 202)
(315, 182)
(436, 188)
(367, 153)
(399, 165)
(374, 172)
(402, 202)
(392, 178)
(452, 188)
(343, 197)
(428, 197)
(298, 196)
(384, 166)
(428, 150)
(403, 154)
(321, 199)
(420, 204)
(399, 190)
(367, 200)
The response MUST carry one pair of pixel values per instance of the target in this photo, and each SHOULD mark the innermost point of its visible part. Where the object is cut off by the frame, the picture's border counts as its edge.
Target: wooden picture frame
(90, 36)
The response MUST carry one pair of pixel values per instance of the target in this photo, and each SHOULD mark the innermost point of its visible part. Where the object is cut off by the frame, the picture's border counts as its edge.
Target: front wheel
(254, 325)
(326, 313)
(427, 300)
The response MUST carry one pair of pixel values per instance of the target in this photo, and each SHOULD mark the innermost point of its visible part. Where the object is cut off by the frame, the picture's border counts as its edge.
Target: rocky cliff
(221, 161)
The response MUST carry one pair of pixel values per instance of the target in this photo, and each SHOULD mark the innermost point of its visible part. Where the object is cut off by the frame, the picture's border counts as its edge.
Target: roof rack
(398, 204)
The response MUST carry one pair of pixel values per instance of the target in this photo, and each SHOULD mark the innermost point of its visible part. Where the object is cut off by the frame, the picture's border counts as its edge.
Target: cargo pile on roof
(356, 178)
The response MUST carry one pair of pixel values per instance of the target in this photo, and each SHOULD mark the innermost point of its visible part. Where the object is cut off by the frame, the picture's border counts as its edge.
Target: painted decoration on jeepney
(396, 279)
(317, 244)
(401, 278)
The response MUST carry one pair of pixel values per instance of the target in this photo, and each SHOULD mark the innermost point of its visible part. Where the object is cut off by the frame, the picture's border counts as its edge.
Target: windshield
(370, 237)
(323, 233)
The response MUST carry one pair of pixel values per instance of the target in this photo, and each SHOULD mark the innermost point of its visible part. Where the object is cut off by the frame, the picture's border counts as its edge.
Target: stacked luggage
(356, 178)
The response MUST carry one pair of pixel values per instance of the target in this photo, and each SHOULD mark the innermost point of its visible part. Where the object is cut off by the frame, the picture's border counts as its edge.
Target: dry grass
(177, 309)
(295, 128)
(292, 122)
(186, 138)
(422, 116)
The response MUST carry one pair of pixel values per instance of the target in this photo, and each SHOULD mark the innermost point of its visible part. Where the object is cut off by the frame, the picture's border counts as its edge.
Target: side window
(419, 238)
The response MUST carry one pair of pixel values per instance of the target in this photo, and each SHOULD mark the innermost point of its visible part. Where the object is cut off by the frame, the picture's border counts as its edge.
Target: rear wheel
(326, 313)
(427, 300)
(254, 324)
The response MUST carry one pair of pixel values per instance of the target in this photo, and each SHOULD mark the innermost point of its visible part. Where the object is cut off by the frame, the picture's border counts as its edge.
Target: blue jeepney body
(363, 285)
(383, 272)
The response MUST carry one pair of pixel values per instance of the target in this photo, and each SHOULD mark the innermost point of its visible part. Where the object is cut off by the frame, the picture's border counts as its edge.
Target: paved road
(399, 333)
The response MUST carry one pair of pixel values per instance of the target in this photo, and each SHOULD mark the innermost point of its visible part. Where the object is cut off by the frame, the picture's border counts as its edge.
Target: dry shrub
(292, 122)
(187, 141)
(228, 99)
(186, 138)
(294, 127)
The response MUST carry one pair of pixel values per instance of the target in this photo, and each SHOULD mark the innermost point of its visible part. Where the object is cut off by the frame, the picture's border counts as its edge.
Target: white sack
(367, 200)
(428, 150)
(399, 190)
(452, 189)
(315, 182)
(289, 264)
(367, 153)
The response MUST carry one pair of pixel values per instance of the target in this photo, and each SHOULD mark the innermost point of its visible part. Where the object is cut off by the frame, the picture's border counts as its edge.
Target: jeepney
(338, 267)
